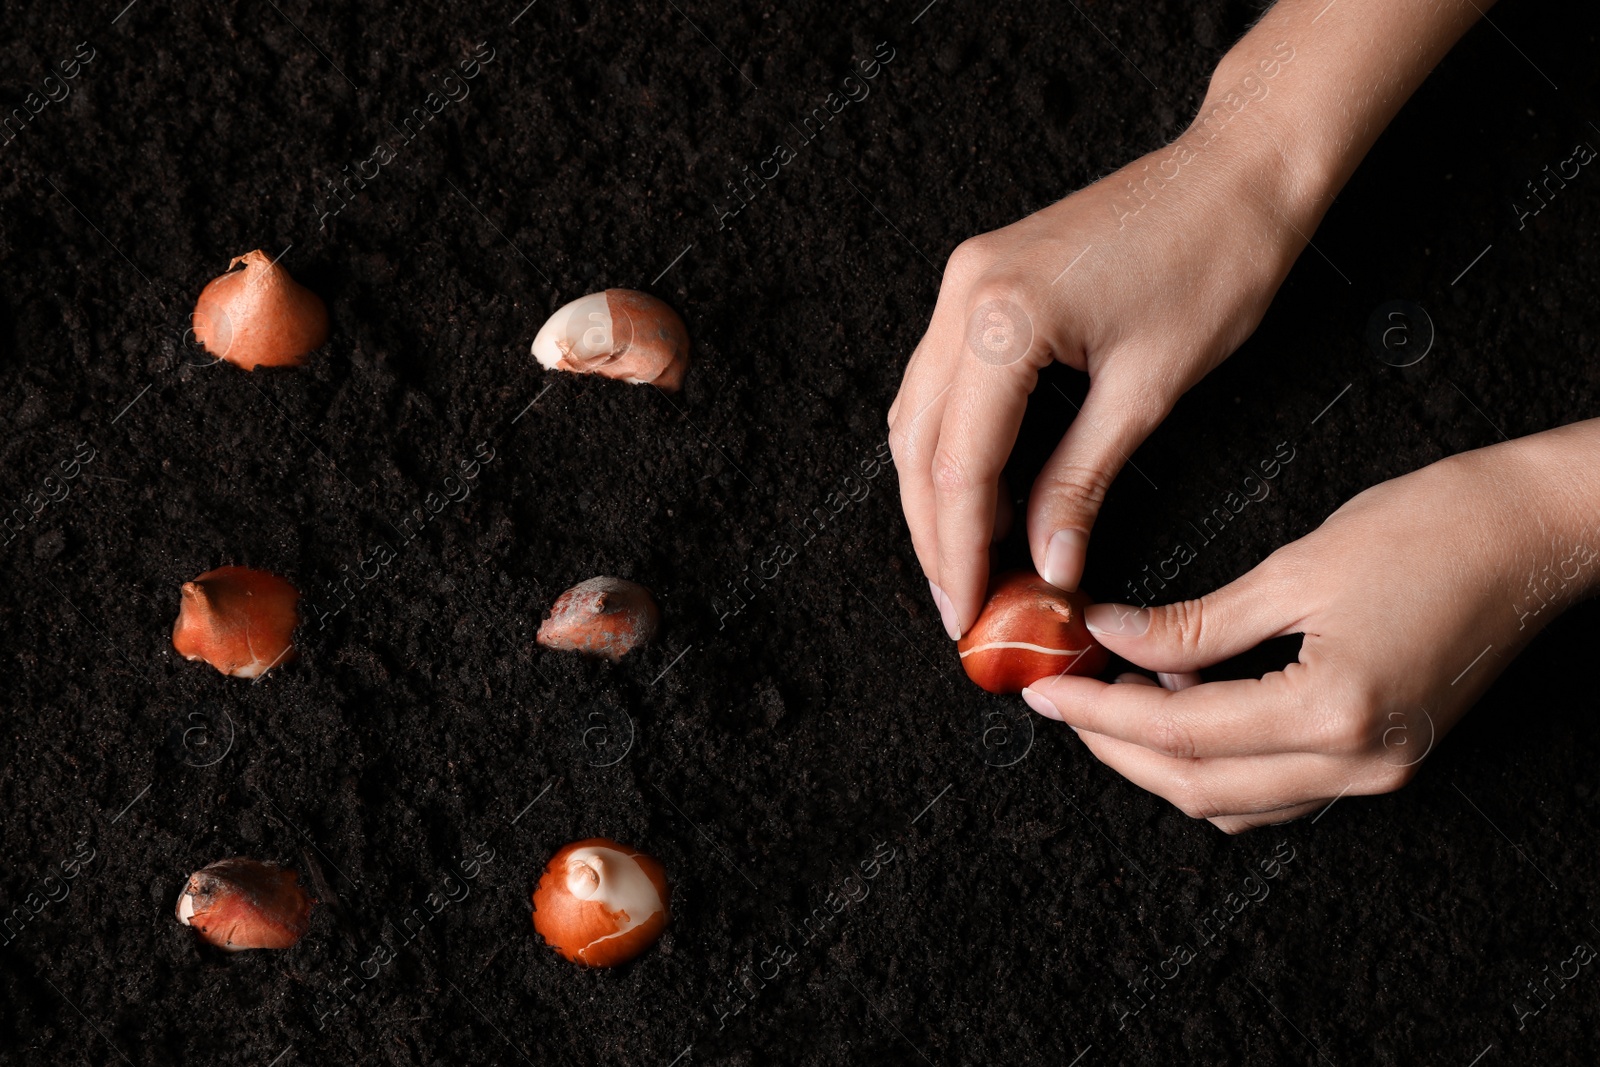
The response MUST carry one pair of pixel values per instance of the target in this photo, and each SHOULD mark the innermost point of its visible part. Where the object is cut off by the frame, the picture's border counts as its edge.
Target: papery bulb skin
(239, 903)
(241, 621)
(620, 333)
(600, 903)
(259, 316)
(602, 616)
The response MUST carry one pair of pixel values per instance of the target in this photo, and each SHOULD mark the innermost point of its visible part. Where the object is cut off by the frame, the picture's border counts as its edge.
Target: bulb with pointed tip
(603, 616)
(1028, 630)
(259, 316)
(601, 903)
(237, 904)
(619, 333)
(241, 621)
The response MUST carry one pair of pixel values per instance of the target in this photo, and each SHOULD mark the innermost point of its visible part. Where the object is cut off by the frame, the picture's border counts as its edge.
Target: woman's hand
(1146, 280)
(1412, 598)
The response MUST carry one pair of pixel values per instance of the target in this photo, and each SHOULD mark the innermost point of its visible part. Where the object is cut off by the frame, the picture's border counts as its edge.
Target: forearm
(1304, 95)
(1559, 475)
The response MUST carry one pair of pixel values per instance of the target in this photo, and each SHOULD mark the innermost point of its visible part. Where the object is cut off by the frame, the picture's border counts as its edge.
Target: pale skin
(1149, 279)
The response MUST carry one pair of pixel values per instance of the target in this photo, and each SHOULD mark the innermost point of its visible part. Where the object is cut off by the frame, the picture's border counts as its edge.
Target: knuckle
(1351, 720)
(1194, 804)
(998, 289)
(999, 329)
(969, 256)
(1086, 486)
(1186, 621)
(1168, 735)
(1350, 732)
(951, 474)
(900, 441)
(1386, 774)
(1392, 777)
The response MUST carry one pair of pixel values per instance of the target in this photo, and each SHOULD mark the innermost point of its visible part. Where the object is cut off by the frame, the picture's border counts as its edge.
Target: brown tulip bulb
(259, 316)
(239, 903)
(620, 334)
(601, 903)
(603, 616)
(1028, 630)
(239, 620)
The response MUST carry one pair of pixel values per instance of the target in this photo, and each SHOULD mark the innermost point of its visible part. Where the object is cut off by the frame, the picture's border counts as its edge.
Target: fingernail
(1041, 703)
(1181, 680)
(1116, 620)
(1063, 558)
(947, 612)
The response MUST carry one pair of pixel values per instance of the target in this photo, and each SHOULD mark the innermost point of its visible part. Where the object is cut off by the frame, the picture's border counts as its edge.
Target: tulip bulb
(259, 316)
(601, 903)
(1028, 630)
(237, 904)
(603, 616)
(620, 334)
(241, 621)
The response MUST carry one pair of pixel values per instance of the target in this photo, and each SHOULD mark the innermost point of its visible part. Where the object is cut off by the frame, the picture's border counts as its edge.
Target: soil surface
(872, 860)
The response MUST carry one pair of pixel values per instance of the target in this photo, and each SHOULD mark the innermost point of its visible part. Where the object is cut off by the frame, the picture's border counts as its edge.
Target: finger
(918, 411)
(1238, 824)
(1249, 717)
(981, 419)
(912, 440)
(1073, 483)
(906, 378)
(1222, 788)
(1190, 634)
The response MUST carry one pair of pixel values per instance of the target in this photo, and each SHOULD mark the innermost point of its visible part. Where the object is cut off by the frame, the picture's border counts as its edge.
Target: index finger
(997, 368)
(913, 436)
(1249, 717)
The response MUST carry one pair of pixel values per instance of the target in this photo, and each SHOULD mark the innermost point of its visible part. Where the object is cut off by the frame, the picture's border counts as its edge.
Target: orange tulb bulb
(237, 904)
(259, 316)
(241, 621)
(603, 616)
(601, 903)
(1028, 630)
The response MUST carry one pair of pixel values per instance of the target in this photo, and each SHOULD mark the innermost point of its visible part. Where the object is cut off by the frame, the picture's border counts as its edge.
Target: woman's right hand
(1146, 280)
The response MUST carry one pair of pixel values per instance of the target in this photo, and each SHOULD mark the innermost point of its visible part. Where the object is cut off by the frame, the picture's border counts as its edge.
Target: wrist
(1311, 86)
(1251, 117)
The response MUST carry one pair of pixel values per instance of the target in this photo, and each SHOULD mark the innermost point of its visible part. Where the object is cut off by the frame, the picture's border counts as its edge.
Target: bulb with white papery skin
(601, 903)
(1029, 630)
(620, 333)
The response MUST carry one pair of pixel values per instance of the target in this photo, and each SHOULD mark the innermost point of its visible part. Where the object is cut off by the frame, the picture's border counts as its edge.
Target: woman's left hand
(1412, 598)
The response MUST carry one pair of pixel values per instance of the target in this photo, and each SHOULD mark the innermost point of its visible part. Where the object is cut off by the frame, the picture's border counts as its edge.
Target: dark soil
(424, 749)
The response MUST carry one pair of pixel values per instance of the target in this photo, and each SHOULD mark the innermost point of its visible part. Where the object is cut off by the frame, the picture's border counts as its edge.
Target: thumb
(1192, 634)
(1113, 421)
